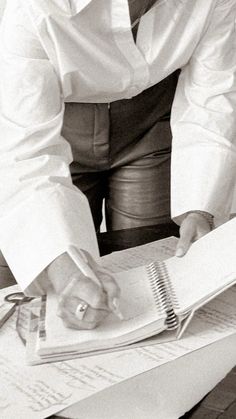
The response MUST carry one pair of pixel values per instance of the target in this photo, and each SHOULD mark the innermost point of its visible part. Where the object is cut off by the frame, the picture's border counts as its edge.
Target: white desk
(166, 392)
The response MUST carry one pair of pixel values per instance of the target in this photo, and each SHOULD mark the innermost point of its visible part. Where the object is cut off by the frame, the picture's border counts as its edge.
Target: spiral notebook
(155, 298)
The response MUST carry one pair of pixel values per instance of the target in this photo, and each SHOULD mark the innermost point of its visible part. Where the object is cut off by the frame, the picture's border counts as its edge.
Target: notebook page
(136, 304)
(208, 266)
(140, 255)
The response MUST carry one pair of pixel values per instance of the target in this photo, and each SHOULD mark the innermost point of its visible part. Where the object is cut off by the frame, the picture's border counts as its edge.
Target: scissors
(17, 298)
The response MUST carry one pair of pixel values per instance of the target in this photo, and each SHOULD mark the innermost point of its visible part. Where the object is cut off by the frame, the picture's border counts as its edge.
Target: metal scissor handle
(17, 298)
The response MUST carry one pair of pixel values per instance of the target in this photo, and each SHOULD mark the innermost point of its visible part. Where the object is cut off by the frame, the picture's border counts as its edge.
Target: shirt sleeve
(41, 213)
(204, 120)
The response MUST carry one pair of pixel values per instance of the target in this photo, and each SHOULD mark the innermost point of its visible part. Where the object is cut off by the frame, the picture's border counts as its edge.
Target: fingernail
(116, 308)
(115, 303)
(179, 252)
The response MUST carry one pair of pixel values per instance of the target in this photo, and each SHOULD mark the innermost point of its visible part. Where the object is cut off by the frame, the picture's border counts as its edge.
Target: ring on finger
(81, 310)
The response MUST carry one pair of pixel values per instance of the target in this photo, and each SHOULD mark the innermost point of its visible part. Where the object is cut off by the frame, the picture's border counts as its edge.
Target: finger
(91, 320)
(87, 290)
(70, 321)
(203, 229)
(91, 315)
(112, 290)
(187, 235)
(108, 282)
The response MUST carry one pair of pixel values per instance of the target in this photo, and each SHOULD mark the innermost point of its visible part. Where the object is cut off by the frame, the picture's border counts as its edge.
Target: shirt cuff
(203, 180)
(43, 227)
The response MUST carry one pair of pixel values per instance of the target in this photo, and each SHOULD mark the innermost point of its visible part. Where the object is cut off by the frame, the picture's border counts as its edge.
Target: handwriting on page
(38, 395)
(40, 391)
(218, 316)
(140, 255)
(85, 377)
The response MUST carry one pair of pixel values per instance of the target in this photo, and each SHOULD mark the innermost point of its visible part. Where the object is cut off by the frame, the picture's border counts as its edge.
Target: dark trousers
(122, 154)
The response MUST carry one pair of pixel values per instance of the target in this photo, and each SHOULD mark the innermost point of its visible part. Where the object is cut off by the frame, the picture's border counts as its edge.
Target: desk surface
(221, 401)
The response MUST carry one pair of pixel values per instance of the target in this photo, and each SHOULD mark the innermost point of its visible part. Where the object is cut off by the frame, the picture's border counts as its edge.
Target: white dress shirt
(56, 51)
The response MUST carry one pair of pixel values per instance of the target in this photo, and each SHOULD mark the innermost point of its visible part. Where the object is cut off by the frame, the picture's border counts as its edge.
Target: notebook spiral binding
(163, 292)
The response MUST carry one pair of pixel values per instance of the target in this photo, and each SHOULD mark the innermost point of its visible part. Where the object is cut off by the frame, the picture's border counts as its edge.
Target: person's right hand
(74, 290)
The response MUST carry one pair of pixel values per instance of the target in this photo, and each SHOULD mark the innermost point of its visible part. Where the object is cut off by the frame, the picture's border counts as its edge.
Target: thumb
(187, 233)
(107, 281)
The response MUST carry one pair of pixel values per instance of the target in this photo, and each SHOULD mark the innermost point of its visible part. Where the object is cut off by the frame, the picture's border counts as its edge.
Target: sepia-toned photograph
(118, 209)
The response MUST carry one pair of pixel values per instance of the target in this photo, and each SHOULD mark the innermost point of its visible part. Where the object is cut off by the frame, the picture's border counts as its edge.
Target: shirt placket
(121, 27)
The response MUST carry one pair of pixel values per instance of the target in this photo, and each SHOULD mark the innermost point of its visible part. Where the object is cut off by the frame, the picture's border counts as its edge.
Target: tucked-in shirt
(57, 51)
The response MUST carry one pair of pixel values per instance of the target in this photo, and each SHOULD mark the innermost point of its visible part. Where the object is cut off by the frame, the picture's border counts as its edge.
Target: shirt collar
(78, 5)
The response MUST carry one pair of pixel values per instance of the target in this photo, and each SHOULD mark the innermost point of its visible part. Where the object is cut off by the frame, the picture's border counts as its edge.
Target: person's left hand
(193, 227)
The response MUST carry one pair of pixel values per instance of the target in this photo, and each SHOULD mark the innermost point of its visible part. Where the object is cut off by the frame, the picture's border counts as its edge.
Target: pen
(80, 260)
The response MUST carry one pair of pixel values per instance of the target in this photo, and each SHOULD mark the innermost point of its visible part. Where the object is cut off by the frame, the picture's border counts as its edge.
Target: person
(87, 87)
